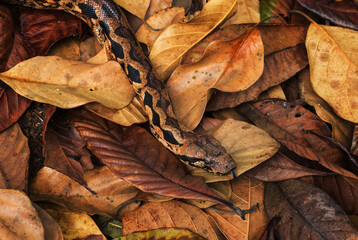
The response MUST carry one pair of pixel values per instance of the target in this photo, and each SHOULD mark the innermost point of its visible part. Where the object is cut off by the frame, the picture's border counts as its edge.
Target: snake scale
(110, 26)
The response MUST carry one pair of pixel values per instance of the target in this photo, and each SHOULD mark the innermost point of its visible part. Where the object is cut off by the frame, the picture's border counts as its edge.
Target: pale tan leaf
(333, 58)
(247, 144)
(68, 84)
(160, 20)
(18, 218)
(248, 11)
(157, 5)
(229, 66)
(246, 192)
(276, 92)
(137, 8)
(178, 38)
(131, 114)
(50, 185)
(75, 225)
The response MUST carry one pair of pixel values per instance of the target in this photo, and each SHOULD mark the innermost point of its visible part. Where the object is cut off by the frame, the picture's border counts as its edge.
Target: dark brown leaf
(269, 233)
(14, 158)
(269, 8)
(42, 28)
(279, 67)
(306, 212)
(279, 167)
(343, 13)
(354, 148)
(91, 237)
(6, 36)
(292, 126)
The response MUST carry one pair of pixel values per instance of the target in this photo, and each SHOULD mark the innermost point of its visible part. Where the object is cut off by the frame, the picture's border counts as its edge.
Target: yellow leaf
(247, 145)
(227, 65)
(178, 38)
(137, 8)
(163, 234)
(248, 11)
(333, 58)
(68, 84)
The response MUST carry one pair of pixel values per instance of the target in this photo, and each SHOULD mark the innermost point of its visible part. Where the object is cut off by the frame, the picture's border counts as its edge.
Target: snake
(109, 24)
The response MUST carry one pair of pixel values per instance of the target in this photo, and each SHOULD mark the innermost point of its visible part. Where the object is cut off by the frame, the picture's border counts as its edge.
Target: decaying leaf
(14, 158)
(247, 12)
(306, 212)
(19, 219)
(68, 84)
(51, 228)
(269, 8)
(50, 185)
(227, 65)
(334, 67)
(163, 234)
(170, 214)
(246, 192)
(178, 38)
(247, 144)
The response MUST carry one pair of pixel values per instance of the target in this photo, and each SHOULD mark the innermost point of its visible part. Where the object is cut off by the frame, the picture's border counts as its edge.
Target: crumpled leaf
(163, 234)
(334, 67)
(14, 158)
(247, 145)
(227, 65)
(246, 192)
(18, 218)
(279, 168)
(298, 129)
(52, 186)
(343, 13)
(341, 129)
(178, 38)
(68, 84)
(170, 214)
(306, 212)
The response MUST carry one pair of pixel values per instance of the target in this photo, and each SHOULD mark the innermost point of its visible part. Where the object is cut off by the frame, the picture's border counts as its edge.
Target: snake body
(110, 26)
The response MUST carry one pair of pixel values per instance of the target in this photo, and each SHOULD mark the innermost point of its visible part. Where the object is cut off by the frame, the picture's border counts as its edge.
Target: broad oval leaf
(334, 67)
(178, 38)
(67, 84)
(248, 11)
(306, 212)
(163, 234)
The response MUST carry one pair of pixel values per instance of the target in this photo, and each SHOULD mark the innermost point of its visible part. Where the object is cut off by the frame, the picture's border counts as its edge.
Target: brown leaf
(279, 168)
(14, 158)
(6, 37)
(306, 212)
(134, 155)
(52, 186)
(51, 228)
(354, 148)
(247, 11)
(92, 237)
(246, 192)
(163, 234)
(176, 214)
(269, 8)
(42, 28)
(18, 218)
(279, 67)
(292, 126)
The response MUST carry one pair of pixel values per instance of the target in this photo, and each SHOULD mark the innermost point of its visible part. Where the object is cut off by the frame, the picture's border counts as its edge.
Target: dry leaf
(53, 186)
(163, 234)
(157, 5)
(333, 67)
(18, 218)
(178, 38)
(68, 84)
(247, 12)
(247, 145)
(227, 65)
(176, 214)
(246, 192)
(14, 158)
(51, 228)
(137, 8)
(269, 8)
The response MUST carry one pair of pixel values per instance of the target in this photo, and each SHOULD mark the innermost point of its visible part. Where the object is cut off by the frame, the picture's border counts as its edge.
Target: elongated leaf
(177, 39)
(343, 13)
(176, 214)
(14, 158)
(163, 234)
(354, 148)
(334, 67)
(291, 125)
(227, 65)
(6, 37)
(68, 84)
(246, 192)
(306, 212)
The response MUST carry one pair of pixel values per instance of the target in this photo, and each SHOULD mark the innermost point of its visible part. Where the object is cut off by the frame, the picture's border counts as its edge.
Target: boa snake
(112, 30)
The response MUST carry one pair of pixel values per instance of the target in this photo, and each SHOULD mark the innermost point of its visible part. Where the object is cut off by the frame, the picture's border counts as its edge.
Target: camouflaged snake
(110, 26)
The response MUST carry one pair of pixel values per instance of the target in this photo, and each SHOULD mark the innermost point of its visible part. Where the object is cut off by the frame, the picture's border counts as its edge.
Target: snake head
(207, 153)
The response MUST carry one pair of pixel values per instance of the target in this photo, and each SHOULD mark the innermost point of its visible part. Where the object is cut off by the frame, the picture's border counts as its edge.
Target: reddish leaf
(91, 237)
(292, 126)
(42, 28)
(306, 212)
(343, 13)
(134, 155)
(279, 67)
(354, 148)
(6, 36)
(279, 168)
(281, 8)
